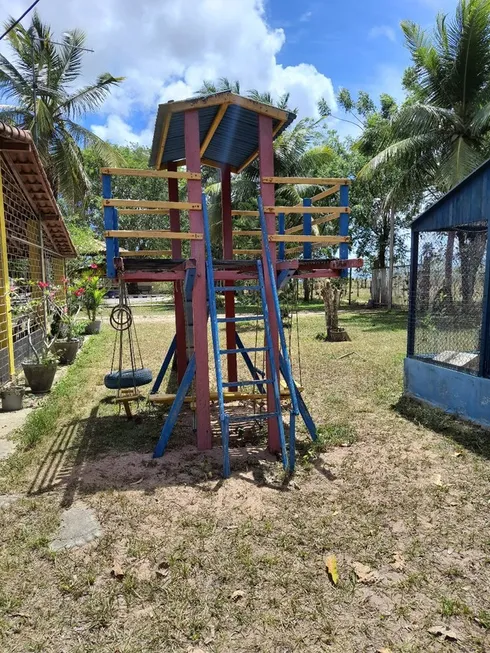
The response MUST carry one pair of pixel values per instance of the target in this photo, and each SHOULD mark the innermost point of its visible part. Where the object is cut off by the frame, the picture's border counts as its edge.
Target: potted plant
(40, 370)
(12, 395)
(67, 342)
(91, 294)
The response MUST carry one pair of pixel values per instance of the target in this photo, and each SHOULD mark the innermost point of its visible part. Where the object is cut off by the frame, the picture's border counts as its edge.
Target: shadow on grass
(377, 320)
(470, 436)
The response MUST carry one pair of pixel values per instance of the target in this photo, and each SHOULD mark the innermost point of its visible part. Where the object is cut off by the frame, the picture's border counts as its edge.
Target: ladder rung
(251, 418)
(246, 318)
(235, 288)
(242, 349)
(238, 384)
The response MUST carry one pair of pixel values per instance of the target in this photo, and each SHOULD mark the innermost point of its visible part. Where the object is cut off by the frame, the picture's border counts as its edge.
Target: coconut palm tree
(441, 133)
(38, 79)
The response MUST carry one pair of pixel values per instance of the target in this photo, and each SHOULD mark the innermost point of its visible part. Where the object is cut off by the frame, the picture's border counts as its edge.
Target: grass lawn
(399, 494)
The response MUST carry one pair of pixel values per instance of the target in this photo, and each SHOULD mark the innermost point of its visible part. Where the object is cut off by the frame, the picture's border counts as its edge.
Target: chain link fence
(448, 303)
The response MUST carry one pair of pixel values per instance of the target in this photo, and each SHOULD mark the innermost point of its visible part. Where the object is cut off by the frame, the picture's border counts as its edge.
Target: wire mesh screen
(449, 296)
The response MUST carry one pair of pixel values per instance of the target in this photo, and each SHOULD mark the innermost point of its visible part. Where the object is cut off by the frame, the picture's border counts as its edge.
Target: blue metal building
(448, 353)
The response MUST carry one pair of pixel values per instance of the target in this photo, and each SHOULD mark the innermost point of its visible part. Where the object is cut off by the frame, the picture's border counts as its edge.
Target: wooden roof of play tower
(228, 125)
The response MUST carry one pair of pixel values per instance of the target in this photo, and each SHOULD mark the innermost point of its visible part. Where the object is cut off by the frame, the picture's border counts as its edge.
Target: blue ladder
(224, 418)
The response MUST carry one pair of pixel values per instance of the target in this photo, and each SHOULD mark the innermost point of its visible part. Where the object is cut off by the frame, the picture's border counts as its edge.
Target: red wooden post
(266, 167)
(227, 225)
(180, 353)
(199, 294)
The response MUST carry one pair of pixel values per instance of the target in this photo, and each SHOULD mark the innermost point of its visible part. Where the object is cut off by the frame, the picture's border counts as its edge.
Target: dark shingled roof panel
(235, 140)
(466, 203)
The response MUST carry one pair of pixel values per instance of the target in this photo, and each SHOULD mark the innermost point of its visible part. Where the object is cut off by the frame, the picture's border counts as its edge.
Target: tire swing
(126, 380)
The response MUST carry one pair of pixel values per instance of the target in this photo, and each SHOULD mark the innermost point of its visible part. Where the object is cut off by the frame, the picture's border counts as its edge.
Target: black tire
(128, 378)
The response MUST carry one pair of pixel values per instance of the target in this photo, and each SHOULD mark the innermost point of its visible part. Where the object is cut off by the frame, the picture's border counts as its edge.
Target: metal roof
(21, 155)
(466, 203)
(229, 121)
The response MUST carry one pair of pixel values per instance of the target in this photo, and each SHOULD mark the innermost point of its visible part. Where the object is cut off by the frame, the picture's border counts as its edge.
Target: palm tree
(39, 79)
(441, 134)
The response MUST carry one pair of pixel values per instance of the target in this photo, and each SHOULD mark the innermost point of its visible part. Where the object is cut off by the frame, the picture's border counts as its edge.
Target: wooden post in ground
(266, 167)
(227, 232)
(199, 294)
(180, 351)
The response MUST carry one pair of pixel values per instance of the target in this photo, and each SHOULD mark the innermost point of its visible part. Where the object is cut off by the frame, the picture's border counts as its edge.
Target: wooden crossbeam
(148, 252)
(245, 213)
(153, 204)
(151, 233)
(142, 212)
(326, 193)
(228, 397)
(307, 209)
(214, 126)
(316, 181)
(327, 240)
(161, 174)
(247, 251)
(237, 232)
(325, 218)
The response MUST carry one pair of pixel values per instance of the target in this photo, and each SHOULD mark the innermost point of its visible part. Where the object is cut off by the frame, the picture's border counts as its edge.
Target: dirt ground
(187, 562)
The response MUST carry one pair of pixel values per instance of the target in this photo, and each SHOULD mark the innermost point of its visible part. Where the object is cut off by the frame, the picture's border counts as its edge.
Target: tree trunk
(448, 267)
(471, 249)
(307, 284)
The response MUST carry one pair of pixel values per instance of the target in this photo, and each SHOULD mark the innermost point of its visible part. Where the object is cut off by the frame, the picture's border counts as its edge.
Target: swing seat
(128, 378)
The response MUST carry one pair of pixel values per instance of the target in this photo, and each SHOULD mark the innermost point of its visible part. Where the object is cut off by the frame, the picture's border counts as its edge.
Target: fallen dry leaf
(117, 570)
(140, 480)
(437, 479)
(444, 632)
(237, 595)
(383, 650)
(398, 561)
(364, 573)
(331, 566)
(458, 454)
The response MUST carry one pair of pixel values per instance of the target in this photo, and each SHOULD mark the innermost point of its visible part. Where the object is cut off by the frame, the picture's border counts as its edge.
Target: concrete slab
(78, 526)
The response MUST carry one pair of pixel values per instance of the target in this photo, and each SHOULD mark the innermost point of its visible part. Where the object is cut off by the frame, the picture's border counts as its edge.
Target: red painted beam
(181, 350)
(227, 229)
(339, 264)
(266, 169)
(199, 294)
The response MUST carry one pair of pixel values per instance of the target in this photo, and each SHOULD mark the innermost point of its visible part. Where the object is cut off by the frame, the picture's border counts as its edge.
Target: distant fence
(380, 287)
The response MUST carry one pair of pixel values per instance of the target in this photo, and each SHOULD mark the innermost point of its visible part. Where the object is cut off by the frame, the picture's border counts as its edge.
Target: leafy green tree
(38, 69)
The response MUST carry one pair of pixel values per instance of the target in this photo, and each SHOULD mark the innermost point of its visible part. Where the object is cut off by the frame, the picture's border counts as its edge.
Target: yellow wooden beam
(245, 213)
(5, 310)
(307, 209)
(325, 193)
(326, 218)
(148, 252)
(151, 233)
(160, 174)
(153, 204)
(163, 138)
(214, 126)
(310, 181)
(228, 397)
(247, 251)
(142, 212)
(327, 240)
(237, 232)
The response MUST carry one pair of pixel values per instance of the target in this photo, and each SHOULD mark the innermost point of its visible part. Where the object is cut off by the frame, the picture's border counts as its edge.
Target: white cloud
(382, 30)
(304, 18)
(166, 48)
(116, 130)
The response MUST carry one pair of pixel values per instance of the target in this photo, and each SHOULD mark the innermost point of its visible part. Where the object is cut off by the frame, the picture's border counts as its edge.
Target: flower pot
(40, 377)
(93, 327)
(12, 398)
(66, 350)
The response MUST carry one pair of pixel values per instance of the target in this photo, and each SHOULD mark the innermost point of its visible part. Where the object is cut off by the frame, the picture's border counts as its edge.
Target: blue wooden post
(110, 243)
(344, 227)
(282, 231)
(485, 325)
(307, 247)
(412, 293)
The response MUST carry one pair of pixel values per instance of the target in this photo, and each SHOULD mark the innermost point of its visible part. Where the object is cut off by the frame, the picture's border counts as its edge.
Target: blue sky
(165, 48)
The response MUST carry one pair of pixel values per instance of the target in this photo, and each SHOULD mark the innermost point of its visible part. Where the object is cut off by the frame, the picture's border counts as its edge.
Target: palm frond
(90, 97)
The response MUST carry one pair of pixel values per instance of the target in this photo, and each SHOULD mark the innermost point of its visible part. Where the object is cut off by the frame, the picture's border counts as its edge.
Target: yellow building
(34, 243)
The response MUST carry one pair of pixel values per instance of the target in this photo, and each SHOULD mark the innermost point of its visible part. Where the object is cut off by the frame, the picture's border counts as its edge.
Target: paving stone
(78, 526)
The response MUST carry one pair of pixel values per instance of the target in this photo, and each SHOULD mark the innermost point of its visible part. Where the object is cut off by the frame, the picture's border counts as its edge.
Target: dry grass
(239, 565)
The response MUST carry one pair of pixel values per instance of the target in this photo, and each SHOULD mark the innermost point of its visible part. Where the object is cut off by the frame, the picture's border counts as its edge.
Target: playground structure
(228, 132)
